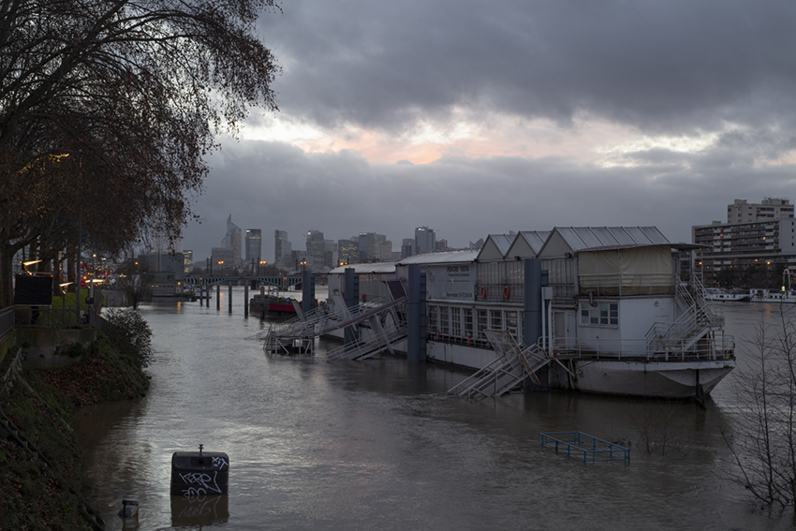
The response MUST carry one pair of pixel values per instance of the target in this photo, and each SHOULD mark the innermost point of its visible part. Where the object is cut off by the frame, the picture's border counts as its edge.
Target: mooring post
(246, 300)
(218, 296)
(230, 296)
(262, 299)
(307, 291)
(416, 316)
(535, 278)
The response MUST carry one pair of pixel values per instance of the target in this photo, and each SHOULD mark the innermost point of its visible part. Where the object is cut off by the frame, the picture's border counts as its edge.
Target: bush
(130, 334)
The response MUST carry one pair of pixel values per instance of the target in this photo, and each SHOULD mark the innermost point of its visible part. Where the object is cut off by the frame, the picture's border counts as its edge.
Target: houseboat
(785, 296)
(720, 295)
(616, 317)
(272, 305)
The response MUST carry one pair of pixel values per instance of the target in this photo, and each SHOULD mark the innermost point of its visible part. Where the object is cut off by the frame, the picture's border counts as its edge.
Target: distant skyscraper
(232, 240)
(282, 248)
(315, 247)
(254, 239)
(407, 247)
(348, 251)
(425, 240)
(366, 240)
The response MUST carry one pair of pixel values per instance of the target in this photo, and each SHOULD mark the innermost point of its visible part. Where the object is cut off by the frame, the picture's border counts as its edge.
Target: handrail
(6, 320)
(615, 349)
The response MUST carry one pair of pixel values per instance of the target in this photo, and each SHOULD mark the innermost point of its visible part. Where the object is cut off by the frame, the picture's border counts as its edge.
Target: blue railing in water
(593, 449)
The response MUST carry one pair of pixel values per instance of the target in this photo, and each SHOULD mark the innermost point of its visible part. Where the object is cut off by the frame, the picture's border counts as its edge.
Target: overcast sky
(484, 117)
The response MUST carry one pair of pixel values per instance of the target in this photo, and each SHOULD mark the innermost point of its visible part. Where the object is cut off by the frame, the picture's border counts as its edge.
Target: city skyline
(392, 118)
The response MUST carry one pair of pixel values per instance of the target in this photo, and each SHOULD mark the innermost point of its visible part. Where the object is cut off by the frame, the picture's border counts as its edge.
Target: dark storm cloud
(275, 186)
(679, 65)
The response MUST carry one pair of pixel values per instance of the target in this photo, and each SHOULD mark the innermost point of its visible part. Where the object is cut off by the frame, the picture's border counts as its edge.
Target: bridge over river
(280, 281)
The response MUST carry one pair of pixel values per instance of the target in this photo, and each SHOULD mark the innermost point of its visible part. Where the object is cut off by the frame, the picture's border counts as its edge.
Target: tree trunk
(6, 275)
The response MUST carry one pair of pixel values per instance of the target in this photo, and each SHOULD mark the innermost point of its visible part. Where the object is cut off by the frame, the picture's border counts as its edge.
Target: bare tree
(107, 109)
(762, 440)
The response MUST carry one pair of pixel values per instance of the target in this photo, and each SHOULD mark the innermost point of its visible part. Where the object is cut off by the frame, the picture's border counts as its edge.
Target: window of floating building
(483, 323)
(468, 322)
(512, 324)
(444, 322)
(496, 319)
(456, 322)
(431, 315)
(602, 314)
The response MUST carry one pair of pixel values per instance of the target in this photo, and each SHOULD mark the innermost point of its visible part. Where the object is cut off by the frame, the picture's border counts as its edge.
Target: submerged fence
(589, 447)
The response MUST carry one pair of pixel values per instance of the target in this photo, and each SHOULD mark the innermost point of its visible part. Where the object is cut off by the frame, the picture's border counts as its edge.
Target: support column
(307, 291)
(230, 296)
(218, 296)
(350, 334)
(532, 313)
(416, 316)
(246, 300)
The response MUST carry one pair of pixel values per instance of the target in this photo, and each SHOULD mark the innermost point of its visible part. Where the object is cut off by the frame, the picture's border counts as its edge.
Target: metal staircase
(697, 320)
(387, 324)
(511, 366)
(386, 318)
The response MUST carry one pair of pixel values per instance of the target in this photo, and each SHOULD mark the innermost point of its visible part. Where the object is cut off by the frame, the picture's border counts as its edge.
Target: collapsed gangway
(385, 316)
(512, 364)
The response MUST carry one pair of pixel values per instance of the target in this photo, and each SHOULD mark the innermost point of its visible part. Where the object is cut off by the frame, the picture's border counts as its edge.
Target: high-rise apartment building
(254, 239)
(769, 208)
(765, 238)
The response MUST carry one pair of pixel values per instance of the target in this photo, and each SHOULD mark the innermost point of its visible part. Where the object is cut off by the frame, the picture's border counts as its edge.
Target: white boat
(771, 295)
(720, 295)
(616, 318)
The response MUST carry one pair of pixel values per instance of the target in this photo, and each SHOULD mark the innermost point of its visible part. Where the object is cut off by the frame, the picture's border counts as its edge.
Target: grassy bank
(40, 465)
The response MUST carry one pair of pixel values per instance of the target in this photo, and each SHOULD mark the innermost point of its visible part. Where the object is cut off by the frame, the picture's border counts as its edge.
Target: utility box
(199, 473)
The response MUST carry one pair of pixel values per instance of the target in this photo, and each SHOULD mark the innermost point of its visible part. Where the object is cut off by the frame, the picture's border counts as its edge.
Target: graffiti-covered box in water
(199, 473)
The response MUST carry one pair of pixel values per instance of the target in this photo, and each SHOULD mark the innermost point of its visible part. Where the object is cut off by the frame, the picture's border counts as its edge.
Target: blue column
(535, 278)
(351, 299)
(307, 291)
(416, 316)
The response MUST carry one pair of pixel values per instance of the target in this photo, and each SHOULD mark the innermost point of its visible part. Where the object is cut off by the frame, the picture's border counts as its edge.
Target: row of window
(469, 323)
(446, 322)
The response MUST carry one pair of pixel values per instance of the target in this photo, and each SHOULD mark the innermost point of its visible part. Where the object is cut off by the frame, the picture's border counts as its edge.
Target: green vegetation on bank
(39, 496)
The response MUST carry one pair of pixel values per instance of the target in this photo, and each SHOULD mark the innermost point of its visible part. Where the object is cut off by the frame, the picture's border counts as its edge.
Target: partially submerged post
(199, 473)
(416, 315)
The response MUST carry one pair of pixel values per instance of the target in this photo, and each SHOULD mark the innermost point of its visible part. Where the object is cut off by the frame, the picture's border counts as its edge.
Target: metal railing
(52, 316)
(707, 348)
(6, 320)
(504, 293)
(592, 448)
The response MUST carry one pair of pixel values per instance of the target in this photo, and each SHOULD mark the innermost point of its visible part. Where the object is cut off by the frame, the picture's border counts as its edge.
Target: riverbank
(41, 473)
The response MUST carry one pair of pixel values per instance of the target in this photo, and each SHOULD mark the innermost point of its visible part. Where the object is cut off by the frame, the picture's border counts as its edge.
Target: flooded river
(377, 444)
